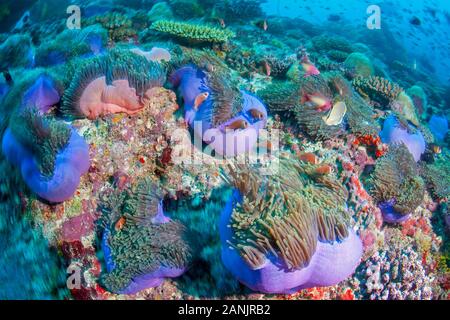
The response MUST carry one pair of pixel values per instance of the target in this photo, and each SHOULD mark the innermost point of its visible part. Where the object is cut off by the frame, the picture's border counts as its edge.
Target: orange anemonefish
(120, 223)
(321, 102)
(308, 157)
(200, 99)
(323, 169)
(256, 114)
(237, 124)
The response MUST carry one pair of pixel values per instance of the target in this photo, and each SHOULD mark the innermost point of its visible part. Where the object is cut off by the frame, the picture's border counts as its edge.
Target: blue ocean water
(427, 45)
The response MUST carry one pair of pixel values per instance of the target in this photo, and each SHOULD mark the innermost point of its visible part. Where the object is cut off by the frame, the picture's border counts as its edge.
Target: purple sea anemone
(52, 157)
(226, 118)
(395, 133)
(288, 231)
(330, 263)
(41, 95)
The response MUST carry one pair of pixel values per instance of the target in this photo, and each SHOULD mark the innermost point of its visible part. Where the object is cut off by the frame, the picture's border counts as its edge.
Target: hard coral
(377, 89)
(192, 32)
(289, 231)
(360, 64)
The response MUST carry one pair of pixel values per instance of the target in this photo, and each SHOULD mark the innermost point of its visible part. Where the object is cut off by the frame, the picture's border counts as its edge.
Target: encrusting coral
(277, 228)
(396, 184)
(192, 32)
(120, 81)
(141, 246)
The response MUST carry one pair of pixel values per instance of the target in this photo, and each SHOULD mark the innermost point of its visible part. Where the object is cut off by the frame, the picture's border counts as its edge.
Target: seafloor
(43, 243)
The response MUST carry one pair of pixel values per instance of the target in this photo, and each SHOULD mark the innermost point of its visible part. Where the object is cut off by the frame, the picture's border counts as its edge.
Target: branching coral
(377, 89)
(396, 184)
(120, 81)
(141, 245)
(282, 223)
(192, 32)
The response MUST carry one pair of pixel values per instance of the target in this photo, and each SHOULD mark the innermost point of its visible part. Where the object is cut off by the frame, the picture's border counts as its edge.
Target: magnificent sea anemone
(51, 155)
(141, 246)
(227, 118)
(288, 232)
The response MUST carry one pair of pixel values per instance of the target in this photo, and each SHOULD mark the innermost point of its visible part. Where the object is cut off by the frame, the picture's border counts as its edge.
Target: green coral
(360, 64)
(337, 55)
(209, 278)
(325, 43)
(186, 9)
(396, 176)
(16, 51)
(437, 176)
(160, 10)
(192, 32)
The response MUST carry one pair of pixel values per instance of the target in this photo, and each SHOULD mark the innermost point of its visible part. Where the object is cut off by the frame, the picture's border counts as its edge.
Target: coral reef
(377, 89)
(119, 26)
(195, 33)
(396, 184)
(70, 44)
(16, 51)
(159, 11)
(360, 64)
(191, 188)
(241, 10)
(420, 100)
